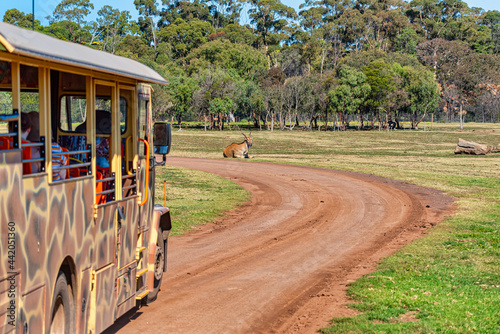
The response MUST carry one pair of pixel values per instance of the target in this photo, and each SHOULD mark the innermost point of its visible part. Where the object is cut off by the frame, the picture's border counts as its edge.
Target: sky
(44, 8)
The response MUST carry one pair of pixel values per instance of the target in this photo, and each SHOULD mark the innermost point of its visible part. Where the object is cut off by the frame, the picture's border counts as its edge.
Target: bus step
(141, 295)
(142, 272)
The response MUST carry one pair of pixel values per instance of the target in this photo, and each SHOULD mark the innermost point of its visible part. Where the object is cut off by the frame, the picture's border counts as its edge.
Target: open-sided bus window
(30, 104)
(5, 104)
(143, 108)
(26, 125)
(73, 112)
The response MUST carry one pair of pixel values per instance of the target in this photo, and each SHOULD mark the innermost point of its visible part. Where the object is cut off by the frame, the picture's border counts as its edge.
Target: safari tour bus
(81, 240)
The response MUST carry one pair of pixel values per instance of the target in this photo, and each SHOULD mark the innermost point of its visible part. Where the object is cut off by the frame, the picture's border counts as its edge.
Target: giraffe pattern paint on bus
(81, 239)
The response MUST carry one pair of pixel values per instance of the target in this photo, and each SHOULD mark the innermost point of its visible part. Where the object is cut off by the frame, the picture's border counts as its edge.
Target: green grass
(194, 197)
(446, 282)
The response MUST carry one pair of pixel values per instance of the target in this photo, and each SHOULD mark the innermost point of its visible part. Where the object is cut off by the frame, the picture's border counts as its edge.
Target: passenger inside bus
(28, 152)
(34, 136)
(103, 127)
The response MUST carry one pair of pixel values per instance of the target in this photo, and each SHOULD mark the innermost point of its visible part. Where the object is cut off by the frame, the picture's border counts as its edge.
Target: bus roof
(33, 44)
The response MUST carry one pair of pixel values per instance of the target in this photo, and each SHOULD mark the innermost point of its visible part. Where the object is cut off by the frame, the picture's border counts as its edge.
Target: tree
(185, 36)
(113, 25)
(270, 20)
(407, 41)
(491, 21)
(221, 107)
(180, 90)
(185, 10)
(422, 92)
(222, 53)
(135, 47)
(18, 18)
(380, 76)
(239, 34)
(248, 97)
(148, 10)
(71, 13)
(225, 12)
(350, 93)
(213, 83)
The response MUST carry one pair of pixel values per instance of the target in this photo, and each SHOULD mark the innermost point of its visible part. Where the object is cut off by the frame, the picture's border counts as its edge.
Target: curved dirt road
(280, 264)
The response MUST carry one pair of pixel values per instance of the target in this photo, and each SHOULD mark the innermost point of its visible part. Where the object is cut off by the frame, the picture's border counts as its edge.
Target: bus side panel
(49, 224)
(128, 235)
(61, 216)
(127, 284)
(104, 296)
(105, 233)
(12, 227)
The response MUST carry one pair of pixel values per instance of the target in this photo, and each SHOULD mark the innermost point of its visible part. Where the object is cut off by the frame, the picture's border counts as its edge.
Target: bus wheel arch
(162, 224)
(62, 314)
(159, 259)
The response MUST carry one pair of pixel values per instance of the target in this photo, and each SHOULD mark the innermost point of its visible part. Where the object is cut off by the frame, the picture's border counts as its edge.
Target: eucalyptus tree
(225, 12)
(461, 72)
(300, 101)
(148, 9)
(71, 15)
(270, 19)
(241, 34)
(114, 25)
(421, 92)
(350, 93)
(491, 21)
(381, 78)
(221, 107)
(249, 97)
(321, 20)
(244, 59)
(407, 41)
(185, 36)
(185, 10)
(180, 94)
(213, 83)
(20, 19)
(438, 18)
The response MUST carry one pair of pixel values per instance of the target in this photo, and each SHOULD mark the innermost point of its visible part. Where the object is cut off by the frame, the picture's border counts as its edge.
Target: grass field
(448, 281)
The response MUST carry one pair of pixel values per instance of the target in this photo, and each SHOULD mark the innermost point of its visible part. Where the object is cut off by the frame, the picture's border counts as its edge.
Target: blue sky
(44, 8)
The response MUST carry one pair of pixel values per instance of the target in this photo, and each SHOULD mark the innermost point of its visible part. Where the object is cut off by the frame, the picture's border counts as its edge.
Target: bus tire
(62, 316)
(159, 265)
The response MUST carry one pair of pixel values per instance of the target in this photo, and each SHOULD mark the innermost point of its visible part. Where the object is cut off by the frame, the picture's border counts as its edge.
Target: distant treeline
(373, 61)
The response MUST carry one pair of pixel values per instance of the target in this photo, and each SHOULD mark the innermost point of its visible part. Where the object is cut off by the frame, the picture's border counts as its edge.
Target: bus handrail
(71, 152)
(124, 177)
(32, 144)
(107, 179)
(127, 155)
(9, 134)
(105, 192)
(33, 160)
(146, 185)
(85, 164)
(9, 117)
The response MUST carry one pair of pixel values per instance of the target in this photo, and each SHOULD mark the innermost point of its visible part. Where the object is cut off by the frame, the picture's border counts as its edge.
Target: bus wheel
(62, 307)
(159, 265)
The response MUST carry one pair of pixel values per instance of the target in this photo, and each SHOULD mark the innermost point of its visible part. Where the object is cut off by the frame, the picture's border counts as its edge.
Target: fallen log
(470, 147)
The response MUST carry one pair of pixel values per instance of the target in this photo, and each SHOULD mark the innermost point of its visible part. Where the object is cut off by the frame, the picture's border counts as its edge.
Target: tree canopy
(360, 60)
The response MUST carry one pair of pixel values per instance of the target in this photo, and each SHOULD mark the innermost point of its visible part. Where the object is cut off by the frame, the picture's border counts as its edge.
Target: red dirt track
(281, 263)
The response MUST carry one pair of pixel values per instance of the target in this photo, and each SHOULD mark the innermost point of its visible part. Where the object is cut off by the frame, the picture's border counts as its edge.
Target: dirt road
(281, 263)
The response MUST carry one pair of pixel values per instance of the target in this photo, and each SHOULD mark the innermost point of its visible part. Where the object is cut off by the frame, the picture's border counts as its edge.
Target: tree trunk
(470, 147)
(461, 118)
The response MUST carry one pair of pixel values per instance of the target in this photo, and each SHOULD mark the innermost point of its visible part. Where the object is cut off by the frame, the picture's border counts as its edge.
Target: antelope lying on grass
(239, 150)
